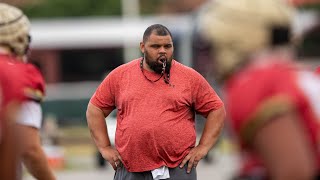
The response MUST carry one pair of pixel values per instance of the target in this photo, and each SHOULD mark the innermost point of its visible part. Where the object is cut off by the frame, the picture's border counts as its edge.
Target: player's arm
(99, 133)
(33, 156)
(290, 155)
(8, 142)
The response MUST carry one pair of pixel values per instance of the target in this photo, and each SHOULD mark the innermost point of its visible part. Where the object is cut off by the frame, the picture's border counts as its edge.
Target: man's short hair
(159, 29)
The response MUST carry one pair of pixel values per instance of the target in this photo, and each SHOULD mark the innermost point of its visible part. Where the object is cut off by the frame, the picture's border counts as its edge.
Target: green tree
(314, 7)
(73, 8)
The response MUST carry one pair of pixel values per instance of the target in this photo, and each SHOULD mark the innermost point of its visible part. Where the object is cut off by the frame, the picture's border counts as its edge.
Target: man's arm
(99, 133)
(285, 149)
(210, 134)
(212, 128)
(8, 142)
(32, 153)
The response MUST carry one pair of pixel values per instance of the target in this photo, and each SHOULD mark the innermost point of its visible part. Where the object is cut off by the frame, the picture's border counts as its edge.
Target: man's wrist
(102, 148)
(204, 146)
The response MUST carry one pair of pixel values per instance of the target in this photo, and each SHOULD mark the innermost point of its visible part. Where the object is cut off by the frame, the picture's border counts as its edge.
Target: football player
(272, 102)
(14, 46)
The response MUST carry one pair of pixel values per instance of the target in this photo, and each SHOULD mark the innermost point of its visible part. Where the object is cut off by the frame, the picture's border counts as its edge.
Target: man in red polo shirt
(156, 98)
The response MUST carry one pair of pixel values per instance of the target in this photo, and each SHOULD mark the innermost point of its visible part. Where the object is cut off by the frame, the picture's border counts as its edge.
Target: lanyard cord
(165, 78)
(141, 67)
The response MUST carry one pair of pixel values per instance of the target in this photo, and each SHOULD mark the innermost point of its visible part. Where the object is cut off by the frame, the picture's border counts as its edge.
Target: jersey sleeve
(11, 85)
(258, 99)
(34, 87)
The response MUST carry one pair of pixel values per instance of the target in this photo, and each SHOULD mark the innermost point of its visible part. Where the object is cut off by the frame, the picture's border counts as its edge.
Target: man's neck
(284, 53)
(146, 66)
(4, 50)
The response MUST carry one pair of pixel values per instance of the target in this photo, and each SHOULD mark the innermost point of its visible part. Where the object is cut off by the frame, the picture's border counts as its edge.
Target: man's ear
(142, 47)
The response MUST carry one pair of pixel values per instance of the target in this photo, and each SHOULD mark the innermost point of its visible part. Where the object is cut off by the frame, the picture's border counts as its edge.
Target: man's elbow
(222, 113)
(89, 112)
(221, 116)
(32, 153)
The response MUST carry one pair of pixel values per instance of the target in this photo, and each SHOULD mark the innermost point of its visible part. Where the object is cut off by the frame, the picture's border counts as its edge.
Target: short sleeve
(34, 85)
(104, 96)
(258, 98)
(205, 98)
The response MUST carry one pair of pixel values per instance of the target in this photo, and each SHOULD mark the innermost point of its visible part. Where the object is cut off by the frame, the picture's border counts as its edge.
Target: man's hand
(112, 156)
(194, 156)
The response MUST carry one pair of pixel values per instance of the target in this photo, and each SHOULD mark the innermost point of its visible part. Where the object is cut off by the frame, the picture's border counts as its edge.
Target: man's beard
(155, 66)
